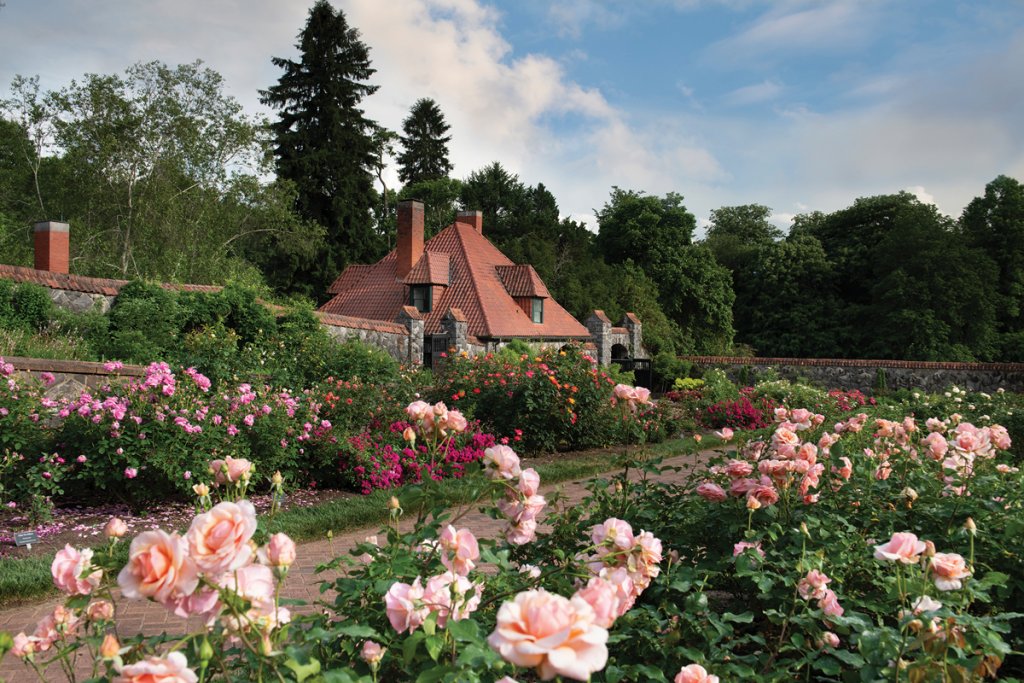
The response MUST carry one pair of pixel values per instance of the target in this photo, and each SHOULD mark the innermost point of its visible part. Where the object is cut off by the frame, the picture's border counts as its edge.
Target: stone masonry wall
(841, 373)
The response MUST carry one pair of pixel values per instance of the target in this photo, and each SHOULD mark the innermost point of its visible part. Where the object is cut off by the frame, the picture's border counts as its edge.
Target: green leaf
(828, 665)
(358, 631)
(410, 645)
(434, 644)
(994, 579)
(464, 630)
(851, 658)
(303, 671)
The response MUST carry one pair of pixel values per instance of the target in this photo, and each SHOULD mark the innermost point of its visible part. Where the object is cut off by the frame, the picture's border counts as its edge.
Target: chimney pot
(410, 236)
(52, 246)
(474, 219)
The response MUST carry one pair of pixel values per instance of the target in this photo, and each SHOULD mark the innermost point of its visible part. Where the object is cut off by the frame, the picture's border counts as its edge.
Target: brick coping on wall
(854, 363)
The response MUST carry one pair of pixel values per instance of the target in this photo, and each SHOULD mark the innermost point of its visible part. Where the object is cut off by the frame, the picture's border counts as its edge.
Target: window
(420, 297)
(537, 311)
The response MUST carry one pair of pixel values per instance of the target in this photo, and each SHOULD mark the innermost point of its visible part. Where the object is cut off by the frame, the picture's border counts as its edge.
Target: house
(470, 296)
(454, 291)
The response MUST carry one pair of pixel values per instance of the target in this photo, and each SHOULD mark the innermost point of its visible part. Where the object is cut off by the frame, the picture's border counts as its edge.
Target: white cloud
(921, 194)
(754, 94)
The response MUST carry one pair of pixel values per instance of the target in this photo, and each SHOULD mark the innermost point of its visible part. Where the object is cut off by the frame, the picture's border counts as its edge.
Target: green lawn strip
(24, 579)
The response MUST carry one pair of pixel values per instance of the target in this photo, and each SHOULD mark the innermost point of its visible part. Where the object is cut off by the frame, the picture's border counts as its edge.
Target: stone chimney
(52, 246)
(410, 236)
(474, 219)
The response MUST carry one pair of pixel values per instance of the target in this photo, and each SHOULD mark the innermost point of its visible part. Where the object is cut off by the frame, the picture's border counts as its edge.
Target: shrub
(741, 414)
(144, 323)
(718, 387)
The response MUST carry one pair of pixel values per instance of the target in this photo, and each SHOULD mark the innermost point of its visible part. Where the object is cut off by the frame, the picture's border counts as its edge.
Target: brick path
(150, 618)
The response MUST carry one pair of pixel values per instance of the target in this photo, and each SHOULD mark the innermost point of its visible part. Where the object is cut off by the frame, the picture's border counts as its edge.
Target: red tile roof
(431, 269)
(475, 287)
(522, 280)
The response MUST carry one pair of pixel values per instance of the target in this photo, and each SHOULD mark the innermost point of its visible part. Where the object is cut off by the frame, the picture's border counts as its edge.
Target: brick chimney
(410, 236)
(52, 246)
(474, 219)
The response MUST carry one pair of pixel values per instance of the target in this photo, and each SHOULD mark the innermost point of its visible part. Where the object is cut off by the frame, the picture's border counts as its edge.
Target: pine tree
(323, 143)
(425, 154)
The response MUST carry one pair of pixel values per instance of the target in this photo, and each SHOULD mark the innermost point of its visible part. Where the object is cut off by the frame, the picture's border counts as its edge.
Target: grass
(24, 579)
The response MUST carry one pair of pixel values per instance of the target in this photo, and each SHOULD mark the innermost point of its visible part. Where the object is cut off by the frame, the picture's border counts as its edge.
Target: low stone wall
(391, 337)
(843, 373)
(71, 376)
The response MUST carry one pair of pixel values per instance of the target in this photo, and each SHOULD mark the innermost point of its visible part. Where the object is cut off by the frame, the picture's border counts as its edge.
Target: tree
(737, 232)
(994, 223)
(499, 195)
(425, 145)
(324, 144)
(642, 227)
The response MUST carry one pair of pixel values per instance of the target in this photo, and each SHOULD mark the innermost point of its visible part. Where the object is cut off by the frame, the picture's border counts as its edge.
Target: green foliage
(687, 383)
(24, 306)
(718, 387)
(144, 323)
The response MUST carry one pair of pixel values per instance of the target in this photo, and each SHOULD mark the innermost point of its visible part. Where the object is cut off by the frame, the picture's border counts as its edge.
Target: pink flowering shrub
(744, 413)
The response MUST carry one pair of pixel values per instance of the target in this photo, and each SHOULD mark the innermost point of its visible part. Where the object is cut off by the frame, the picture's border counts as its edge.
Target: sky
(799, 105)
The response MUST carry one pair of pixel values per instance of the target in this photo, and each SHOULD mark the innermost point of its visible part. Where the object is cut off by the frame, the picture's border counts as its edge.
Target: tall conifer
(323, 143)
(425, 145)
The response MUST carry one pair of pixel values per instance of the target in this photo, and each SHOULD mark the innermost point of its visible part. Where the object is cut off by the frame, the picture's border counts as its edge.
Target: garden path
(150, 618)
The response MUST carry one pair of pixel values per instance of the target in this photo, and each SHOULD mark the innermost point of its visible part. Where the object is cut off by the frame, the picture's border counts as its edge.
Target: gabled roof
(522, 280)
(431, 269)
(475, 287)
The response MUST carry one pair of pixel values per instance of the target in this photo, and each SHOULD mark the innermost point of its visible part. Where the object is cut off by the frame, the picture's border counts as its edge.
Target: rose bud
(115, 528)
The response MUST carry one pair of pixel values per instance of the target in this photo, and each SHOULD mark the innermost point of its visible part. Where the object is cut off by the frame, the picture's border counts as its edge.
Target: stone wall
(843, 373)
(81, 302)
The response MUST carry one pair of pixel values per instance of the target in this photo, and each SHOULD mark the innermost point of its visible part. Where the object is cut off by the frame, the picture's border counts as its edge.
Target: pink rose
(934, 424)
(71, 571)
(159, 567)
(711, 492)
(279, 551)
(740, 487)
(830, 639)
(529, 482)
(829, 604)
(694, 673)
(417, 410)
(739, 468)
(812, 586)
(744, 545)
(765, 494)
(459, 549)
(642, 397)
(456, 422)
(948, 569)
(554, 635)
(624, 392)
(613, 532)
(130, 472)
(219, 539)
(404, 606)
(936, 444)
(522, 532)
(100, 610)
(501, 462)
(726, 434)
(230, 470)
(372, 652)
(170, 669)
(451, 596)
(255, 583)
(902, 547)
(1000, 437)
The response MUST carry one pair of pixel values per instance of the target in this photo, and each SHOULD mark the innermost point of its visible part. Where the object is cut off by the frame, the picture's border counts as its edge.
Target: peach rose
(529, 482)
(613, 532)
(159, 567)
(229, 470)
(170, 669)
(279, 551)
(711, 492)
(451, 596)
(603, 598)
(100, 610)
(948, 570)
(70, 571)
(694, 673)
(255, 583)
(219, 539)
(554, 635)
(115, 528)
(902, 547)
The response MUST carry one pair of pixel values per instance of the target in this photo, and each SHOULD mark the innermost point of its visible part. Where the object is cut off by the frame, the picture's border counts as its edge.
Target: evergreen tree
(425, 153)
(324, 144)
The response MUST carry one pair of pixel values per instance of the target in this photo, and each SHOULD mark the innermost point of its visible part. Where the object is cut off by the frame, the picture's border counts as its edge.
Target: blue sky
(797, 104)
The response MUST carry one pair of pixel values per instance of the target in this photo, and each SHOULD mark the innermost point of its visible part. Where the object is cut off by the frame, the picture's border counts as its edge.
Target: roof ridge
(472, 271)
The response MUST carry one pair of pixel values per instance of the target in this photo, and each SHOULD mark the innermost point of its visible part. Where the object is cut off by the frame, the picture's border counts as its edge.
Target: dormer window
(420, 297)
(537, 310)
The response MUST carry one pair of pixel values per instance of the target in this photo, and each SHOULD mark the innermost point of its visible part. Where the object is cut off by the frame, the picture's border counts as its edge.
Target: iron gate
(640, 367)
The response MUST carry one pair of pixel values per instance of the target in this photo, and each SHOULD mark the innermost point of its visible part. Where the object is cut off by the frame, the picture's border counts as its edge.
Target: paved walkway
(149, 618)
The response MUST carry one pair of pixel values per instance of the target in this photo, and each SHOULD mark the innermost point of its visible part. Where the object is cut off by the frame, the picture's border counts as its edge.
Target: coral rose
(554, 635)
(694, 673)
(219, 539)
(159, 567)
(170, 669)
(70, 571)
(902, 547)
(948, 570)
